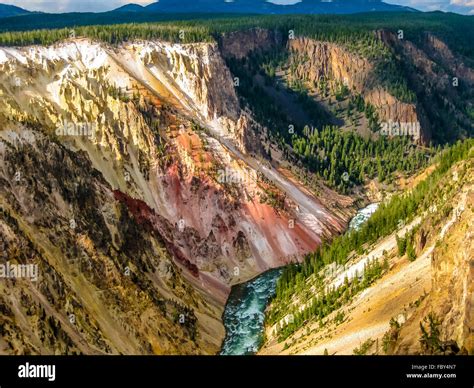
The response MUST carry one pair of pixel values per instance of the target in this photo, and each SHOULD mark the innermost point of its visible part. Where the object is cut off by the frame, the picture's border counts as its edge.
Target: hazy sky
(460, 6)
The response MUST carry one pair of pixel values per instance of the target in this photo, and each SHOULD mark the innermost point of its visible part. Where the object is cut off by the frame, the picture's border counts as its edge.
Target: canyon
(141, 226)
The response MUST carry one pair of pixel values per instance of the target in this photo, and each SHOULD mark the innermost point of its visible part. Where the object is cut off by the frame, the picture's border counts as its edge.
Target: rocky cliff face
(442, 82)
(332, 62)
(440, 51)
(239, 44)
(421, 86)
(337, 65)
(197, 72)
(449, 303)
(123, 174)
(105, 282)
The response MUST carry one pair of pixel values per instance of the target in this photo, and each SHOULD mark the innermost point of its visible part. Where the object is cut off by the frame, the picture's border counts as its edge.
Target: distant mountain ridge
(265, 7)
(130, 8)
(11, 10)
(241, 6)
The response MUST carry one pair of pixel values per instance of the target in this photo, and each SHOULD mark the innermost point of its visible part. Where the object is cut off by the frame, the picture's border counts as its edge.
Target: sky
(459, 6)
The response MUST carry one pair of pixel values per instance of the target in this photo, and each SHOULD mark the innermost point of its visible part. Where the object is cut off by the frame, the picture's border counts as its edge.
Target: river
(244, 313)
